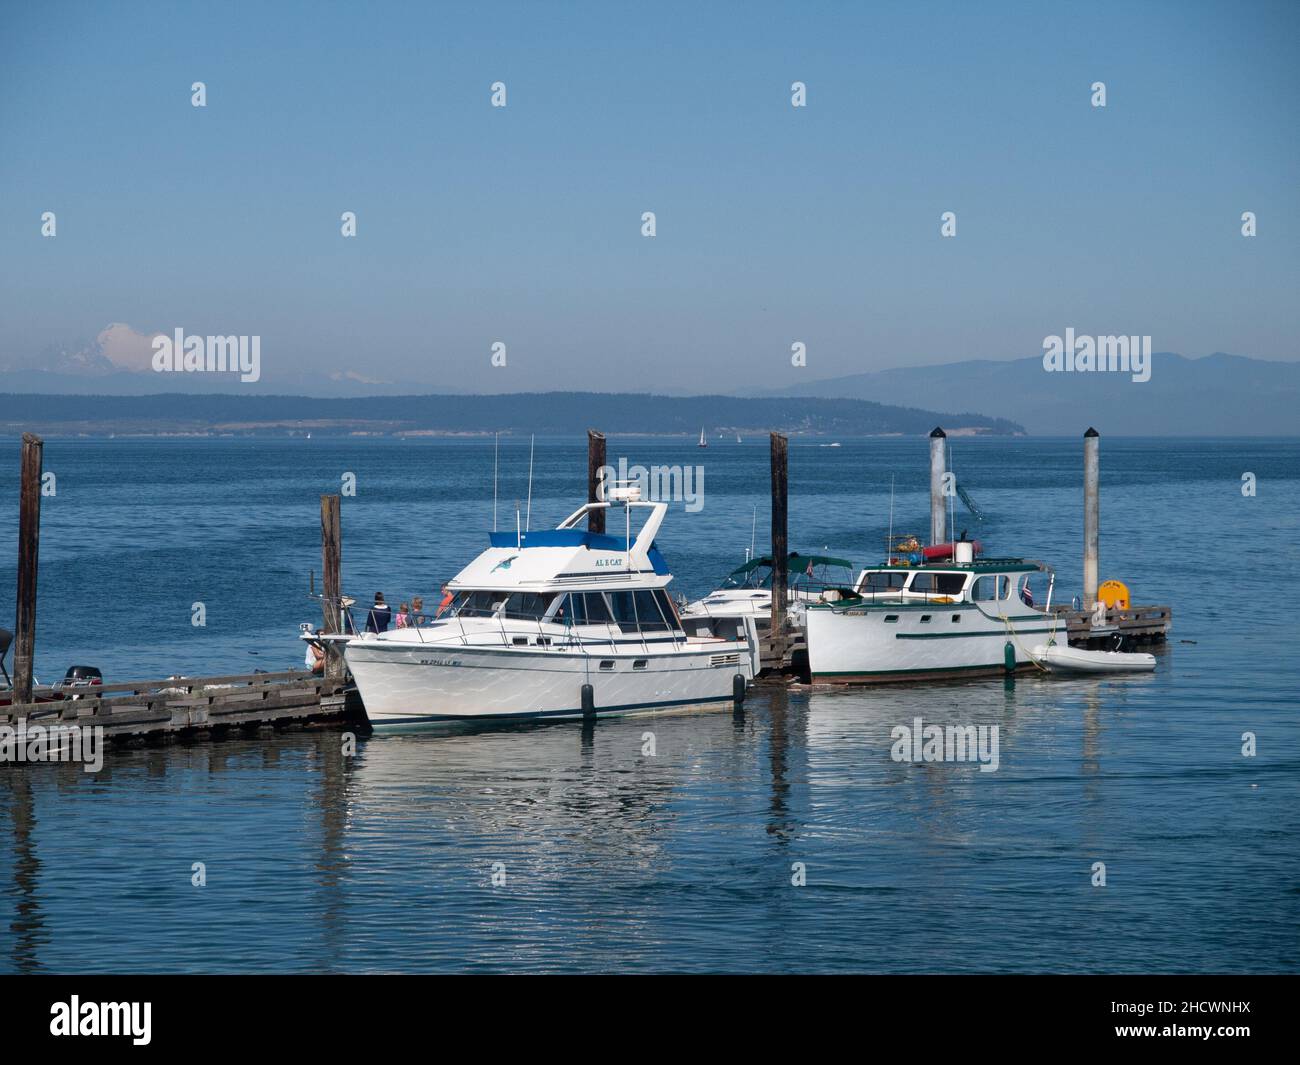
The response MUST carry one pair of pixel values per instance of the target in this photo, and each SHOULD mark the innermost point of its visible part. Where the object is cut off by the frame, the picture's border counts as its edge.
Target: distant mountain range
(1218, 395)
(540, 412)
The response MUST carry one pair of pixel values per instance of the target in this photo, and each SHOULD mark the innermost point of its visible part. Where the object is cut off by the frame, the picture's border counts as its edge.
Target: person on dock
(316, 656)
(379, 616)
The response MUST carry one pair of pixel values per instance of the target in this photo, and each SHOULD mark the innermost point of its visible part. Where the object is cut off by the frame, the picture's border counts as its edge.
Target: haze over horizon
(523, 224)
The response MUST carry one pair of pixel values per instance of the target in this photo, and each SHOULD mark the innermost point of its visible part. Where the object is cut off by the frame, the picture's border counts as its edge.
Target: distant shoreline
(278, 433)
(413, 417)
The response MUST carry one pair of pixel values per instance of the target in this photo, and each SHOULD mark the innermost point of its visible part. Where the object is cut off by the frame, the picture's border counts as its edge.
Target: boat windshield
(632, 610)
(884, 581)
(811, 573)
(750, 577)
(906, 583)
(513, 606)
(477, 604)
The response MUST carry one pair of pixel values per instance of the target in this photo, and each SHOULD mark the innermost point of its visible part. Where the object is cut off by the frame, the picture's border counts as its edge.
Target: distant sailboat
(703, 442)
(737, 438)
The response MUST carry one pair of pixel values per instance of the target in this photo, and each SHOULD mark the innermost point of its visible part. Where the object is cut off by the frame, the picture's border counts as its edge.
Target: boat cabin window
(990, 587)
(596, 609)
(642, 611)
(885, 581)
(583, 608)
(938, 583)
(476, 604)
(528, 606)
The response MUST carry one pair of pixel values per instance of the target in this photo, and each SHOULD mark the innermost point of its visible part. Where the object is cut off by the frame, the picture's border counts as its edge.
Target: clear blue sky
(775, 224)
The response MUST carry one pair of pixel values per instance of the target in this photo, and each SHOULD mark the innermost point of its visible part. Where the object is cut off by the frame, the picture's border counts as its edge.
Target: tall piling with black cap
(780, 539)
(595, 463)
(1091, 514)
(331, 559)
(29, 535)
(938, 467)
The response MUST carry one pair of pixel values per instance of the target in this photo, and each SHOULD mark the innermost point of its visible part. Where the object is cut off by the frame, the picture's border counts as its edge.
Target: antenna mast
(952, 505)
(889, 544)
(528, 522)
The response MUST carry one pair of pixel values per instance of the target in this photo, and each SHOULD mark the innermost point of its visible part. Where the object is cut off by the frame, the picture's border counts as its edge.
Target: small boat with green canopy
(747, 590)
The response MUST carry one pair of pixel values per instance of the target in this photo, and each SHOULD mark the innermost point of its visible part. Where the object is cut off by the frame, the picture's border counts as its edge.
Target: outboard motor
(81, 677)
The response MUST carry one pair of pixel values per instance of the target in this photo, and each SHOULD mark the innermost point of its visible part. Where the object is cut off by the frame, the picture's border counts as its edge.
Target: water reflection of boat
(589, 795)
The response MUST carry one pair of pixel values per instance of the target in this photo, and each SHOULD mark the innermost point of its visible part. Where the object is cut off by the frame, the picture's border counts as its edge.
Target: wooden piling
(780, 539)
(331, 566)
(1091, 514)
(595, 462)
(938, 467)
(29, 535)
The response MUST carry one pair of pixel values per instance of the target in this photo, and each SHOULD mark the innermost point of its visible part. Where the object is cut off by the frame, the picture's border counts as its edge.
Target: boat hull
(879, 644)
(404, 685)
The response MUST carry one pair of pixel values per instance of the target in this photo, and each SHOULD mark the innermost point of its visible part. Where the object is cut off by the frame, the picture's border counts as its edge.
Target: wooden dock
(1135, 625)
(176, 706)
(190, 706)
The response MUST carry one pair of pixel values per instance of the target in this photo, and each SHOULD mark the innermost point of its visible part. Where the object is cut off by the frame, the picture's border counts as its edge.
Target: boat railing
(894, 598)
(344, 620)
(507, 628)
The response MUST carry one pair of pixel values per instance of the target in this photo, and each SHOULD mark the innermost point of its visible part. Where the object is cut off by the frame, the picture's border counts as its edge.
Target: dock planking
(180, 706)
(1133, 624)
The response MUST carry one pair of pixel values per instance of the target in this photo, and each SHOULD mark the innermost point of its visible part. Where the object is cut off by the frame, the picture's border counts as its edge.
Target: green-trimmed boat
(912, 620)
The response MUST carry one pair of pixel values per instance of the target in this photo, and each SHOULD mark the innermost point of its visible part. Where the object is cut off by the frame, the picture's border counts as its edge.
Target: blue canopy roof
(574, 538)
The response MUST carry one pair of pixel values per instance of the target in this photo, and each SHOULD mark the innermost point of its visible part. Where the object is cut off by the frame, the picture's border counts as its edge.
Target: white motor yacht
(560, 623)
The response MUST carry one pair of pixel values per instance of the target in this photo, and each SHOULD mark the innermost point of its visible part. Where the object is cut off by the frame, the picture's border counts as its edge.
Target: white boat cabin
(988, 581)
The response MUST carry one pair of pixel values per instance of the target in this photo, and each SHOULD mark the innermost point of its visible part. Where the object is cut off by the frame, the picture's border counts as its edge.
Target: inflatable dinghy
(1078, 660)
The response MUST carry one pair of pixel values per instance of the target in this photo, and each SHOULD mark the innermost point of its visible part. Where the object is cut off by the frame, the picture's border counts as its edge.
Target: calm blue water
(683, 860)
